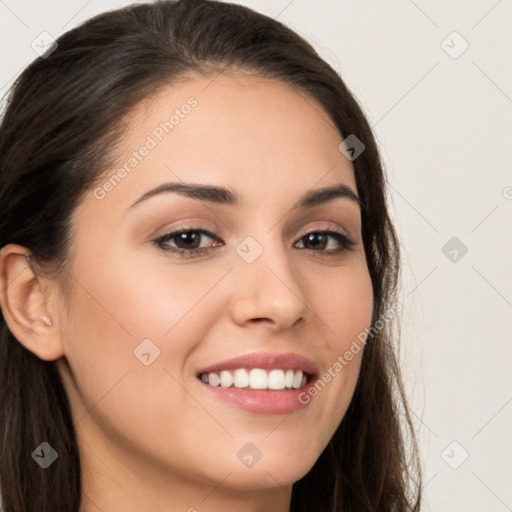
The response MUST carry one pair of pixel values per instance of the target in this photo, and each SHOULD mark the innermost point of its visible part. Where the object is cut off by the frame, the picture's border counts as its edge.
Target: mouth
(261, 383)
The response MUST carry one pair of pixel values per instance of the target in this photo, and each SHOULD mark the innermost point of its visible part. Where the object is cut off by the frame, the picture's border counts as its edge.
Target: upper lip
(264, 360)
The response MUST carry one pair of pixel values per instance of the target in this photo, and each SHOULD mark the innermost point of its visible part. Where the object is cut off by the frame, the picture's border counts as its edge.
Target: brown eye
(184, 242)
(318, 241)
(188, 239)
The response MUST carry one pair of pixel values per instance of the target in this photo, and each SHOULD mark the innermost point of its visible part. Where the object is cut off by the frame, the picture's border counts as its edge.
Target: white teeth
(288, 380)
(241, 379)
(276, 379)
(226, 379)
(297, 380)
(256, 378)
(213, 379)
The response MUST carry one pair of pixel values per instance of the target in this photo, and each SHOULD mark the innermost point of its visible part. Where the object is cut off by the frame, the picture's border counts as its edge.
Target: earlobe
(25, 305)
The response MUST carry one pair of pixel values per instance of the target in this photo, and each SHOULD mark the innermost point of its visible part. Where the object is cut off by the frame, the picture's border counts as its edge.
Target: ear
(24, 300)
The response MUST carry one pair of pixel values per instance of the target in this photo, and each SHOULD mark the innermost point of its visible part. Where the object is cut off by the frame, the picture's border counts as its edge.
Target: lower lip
(263, 401)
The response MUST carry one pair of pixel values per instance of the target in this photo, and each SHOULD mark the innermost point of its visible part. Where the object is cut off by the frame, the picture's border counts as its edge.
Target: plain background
(442, 117)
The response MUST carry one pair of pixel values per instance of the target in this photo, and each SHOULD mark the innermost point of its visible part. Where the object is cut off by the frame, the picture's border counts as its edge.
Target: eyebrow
(229, 197)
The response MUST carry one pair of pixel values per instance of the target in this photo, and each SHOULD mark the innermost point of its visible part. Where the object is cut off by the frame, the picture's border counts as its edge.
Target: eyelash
(346, 242)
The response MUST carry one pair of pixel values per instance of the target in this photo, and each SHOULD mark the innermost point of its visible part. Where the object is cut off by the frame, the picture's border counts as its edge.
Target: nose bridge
(266, 285)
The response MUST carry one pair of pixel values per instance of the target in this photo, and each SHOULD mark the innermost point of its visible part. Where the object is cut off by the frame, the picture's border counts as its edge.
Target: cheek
(346, 304)
(123, 304)
(120, 304)
(127, 299)
(346, 312)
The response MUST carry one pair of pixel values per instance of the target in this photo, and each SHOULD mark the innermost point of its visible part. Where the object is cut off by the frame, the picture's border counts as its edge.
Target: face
(178, 290)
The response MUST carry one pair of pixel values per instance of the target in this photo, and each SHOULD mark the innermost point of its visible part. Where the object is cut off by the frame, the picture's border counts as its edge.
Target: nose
(268, 290)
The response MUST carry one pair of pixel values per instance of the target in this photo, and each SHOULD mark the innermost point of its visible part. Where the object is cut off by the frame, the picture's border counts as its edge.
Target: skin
(146, 431)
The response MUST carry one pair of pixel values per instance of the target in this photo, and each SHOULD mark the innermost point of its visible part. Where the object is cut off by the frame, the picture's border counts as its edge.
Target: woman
(197, 272)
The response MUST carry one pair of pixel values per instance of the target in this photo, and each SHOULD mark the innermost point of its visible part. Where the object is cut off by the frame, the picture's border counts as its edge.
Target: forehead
(258, 136)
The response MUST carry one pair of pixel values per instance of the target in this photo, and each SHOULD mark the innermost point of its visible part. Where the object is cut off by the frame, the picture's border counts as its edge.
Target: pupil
(182, 238)
(313, 237)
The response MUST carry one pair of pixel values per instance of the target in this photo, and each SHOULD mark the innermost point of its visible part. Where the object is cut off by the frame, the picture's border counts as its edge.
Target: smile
(257, 378)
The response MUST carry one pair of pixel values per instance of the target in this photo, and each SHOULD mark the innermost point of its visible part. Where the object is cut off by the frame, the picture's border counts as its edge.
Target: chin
(265, 463)
(270, 475)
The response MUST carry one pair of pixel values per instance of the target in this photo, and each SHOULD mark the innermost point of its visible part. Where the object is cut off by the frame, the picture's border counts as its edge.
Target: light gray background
(444, 128)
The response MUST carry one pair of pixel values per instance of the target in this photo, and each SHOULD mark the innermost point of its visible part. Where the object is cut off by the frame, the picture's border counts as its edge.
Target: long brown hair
(63, 118)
